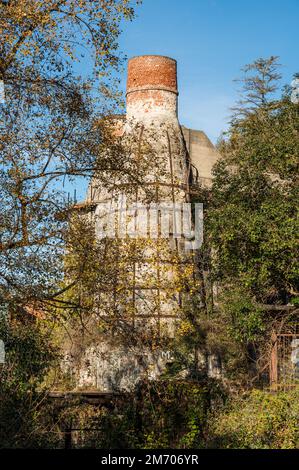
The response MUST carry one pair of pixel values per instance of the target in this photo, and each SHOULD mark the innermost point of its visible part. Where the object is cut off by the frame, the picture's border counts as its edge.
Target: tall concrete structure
(152, 94)
(172, 161)
(202, 154)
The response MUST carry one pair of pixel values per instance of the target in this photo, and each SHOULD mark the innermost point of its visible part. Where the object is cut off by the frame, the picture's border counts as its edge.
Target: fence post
(273, 363)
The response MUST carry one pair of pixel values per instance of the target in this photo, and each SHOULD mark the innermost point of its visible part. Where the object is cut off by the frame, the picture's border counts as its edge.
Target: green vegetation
(260, 420)
(250, 252)
(23, 394)
(254, 216)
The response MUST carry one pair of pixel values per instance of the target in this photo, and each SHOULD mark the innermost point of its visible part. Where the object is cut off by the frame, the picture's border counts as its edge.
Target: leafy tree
(253, 221)
(58, 60)
(48, 127)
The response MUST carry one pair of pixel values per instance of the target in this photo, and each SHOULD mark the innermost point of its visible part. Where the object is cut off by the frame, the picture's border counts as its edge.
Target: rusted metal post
(273, 363)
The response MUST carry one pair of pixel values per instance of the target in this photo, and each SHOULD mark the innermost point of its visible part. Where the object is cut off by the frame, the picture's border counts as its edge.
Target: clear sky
(212, 40)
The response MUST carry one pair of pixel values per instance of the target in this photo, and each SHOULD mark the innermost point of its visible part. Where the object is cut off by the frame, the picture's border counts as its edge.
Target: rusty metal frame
(282, 374)
(158, 315)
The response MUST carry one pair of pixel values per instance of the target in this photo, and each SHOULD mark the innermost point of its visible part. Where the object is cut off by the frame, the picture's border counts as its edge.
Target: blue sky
(212, 40)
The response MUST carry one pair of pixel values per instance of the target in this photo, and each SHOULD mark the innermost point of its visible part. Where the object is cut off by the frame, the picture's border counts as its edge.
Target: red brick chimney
(152, 88)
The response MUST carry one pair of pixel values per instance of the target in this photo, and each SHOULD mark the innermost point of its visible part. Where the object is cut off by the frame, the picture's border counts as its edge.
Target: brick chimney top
(152, 72)
(152, 87)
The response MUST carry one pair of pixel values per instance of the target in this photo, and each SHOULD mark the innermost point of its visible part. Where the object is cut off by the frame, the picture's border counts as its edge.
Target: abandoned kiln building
(172, 161)
(151, 281)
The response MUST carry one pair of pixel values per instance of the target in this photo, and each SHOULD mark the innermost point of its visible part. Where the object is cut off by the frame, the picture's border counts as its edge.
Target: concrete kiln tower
(151, 301)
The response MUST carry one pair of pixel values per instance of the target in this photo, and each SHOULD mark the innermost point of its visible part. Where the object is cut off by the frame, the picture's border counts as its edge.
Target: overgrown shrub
(23, 406)
(261, 420)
